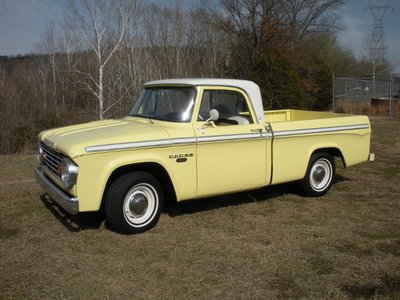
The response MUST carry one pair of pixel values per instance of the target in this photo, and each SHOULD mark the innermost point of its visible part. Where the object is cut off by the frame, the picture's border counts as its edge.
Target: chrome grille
(52, 159)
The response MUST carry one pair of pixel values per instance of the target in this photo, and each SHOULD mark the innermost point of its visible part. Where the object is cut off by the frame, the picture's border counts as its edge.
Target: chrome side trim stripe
(144, 144)
(173, 142)
(220, 138)
(284, 133)
(132, 145)
(232, 137)
(183, 141)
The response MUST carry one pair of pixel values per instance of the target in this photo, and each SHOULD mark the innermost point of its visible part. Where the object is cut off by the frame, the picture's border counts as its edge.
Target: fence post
(390, 95)
(333, 92)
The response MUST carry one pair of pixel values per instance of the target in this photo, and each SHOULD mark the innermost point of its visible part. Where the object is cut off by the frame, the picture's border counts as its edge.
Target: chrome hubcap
(321, 174)
(140, 204)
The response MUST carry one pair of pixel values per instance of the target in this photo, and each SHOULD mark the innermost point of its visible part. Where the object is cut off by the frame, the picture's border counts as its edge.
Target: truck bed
(297, 134)
(297, 115)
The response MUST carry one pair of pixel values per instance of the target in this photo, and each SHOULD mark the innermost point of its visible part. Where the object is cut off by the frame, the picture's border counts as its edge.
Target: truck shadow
(74, 223)
(175, 209)
(94, 220)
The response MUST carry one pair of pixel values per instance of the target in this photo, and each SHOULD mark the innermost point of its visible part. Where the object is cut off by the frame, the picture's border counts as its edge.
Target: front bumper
(70, 204)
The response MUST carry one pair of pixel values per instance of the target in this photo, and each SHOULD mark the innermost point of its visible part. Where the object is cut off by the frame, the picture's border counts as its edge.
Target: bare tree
(102, 25)
(253, 26)
(48, 48)
(69, 57)
(305, 17)
(210, 45)
(165, 33)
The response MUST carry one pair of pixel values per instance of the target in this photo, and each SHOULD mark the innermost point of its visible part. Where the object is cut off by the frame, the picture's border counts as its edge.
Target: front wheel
(319, 175)
(134, 202)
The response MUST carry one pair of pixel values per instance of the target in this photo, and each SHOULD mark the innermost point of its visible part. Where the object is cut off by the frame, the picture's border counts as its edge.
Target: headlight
(39, 156)
(69, 173)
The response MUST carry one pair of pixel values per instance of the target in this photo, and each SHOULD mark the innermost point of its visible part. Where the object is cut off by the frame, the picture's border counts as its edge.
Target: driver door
(232, 151)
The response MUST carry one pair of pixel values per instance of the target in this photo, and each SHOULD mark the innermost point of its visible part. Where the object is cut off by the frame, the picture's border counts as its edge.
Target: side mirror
(214, 116)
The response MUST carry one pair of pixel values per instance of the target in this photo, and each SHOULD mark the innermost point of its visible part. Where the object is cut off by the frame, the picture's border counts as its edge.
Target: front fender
(95, 170)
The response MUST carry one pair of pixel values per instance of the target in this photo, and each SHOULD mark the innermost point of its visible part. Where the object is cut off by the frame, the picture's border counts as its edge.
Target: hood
(97, 136)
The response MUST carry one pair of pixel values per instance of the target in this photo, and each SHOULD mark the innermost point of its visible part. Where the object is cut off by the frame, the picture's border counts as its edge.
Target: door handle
(258, 130)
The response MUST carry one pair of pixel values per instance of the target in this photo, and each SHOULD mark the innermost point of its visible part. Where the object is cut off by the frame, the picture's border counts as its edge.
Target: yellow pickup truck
(189, 139)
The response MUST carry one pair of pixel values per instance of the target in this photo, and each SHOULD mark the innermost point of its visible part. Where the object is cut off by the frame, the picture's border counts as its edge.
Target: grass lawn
(269, 243)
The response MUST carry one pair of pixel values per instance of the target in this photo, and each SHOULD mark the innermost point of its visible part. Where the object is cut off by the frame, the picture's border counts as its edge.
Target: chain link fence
(366, 96)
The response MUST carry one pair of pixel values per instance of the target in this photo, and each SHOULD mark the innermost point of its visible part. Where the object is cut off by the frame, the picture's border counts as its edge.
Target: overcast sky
(23, 21)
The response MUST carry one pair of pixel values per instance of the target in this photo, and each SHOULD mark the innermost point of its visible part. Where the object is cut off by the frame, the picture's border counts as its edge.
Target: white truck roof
(249, 87)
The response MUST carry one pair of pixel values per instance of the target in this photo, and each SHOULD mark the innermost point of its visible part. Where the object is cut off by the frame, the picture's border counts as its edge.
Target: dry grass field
(265, 244)
(364, 106)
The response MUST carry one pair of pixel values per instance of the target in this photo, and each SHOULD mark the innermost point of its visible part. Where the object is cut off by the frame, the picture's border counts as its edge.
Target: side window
(231, 106)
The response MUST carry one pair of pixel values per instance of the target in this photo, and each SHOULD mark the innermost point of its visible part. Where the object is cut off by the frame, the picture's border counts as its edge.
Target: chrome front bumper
(70, 204)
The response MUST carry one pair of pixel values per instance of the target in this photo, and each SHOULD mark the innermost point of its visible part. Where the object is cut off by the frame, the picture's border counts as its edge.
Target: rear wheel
(319, 175)
(134, 202)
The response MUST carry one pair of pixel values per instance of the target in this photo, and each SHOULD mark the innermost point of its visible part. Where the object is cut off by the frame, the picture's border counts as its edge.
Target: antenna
(377, 48)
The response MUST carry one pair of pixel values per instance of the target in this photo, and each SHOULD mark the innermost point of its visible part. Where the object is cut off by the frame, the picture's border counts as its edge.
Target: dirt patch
(385, 287)
(390, 247)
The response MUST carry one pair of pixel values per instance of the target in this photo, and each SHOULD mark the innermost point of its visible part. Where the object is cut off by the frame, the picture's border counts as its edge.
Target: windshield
(174, 104)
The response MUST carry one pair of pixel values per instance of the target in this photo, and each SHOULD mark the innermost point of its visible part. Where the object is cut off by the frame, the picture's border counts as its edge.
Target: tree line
(92, 65)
